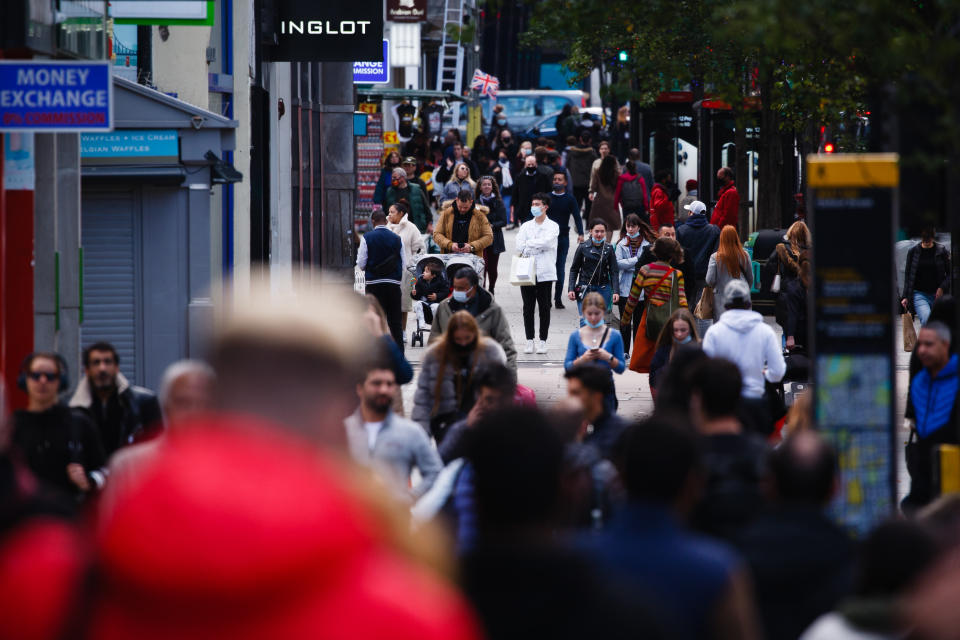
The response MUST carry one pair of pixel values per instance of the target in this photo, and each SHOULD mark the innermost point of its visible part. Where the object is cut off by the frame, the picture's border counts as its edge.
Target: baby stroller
(449, 263)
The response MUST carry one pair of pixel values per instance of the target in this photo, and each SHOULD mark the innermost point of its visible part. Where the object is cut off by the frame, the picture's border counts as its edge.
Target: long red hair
(730, 253)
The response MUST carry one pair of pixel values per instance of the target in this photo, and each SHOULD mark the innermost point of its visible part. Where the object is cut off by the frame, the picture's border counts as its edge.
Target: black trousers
(536, 295)
(629, 331)
(388, 295)
(581, 195)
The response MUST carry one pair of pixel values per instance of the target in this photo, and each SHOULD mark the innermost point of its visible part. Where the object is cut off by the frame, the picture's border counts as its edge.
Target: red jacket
(625, 178)
(661, 209)
(727, 210)
(239, 531)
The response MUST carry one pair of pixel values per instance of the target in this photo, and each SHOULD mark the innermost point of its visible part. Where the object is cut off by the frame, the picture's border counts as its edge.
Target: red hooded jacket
(727, 210)
(661, 209)
(237, 531)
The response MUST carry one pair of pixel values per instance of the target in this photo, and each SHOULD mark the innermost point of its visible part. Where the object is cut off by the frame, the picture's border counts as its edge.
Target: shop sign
(61, 95)
(328, 31)
(367, 107)
(376, 72)
(390, 137)
(407, 10)
(140, 146)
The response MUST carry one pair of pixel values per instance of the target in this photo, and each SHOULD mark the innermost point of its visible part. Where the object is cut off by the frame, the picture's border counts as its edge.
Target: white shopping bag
(523, 271)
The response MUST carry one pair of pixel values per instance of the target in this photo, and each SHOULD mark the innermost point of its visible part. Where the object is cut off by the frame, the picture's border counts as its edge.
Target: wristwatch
(612, 358)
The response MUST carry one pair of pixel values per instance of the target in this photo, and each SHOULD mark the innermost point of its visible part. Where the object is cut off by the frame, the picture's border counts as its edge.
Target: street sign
(328, 31)
(374, 72)
(852, 310)
(140, 146)
(59, 95)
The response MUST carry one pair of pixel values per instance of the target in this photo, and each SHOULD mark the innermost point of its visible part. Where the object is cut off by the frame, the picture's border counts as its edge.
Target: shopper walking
(603, 189)
(383, 259)
(488, 195)
(597, 344)
(633, 194)
(727, 210)
(461, 180)
(661, 204)
(580, 162)
(784, 261)
(563, 206)
(730, 262)
(680, 330)
(463, 226)
(445, 391)
(537, 239)
(398, 218)
(926, 276)
(635, 240)
(661, 285)
(594, 268)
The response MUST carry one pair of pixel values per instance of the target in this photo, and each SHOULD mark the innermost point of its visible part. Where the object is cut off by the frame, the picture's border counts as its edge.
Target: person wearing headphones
(61, 447)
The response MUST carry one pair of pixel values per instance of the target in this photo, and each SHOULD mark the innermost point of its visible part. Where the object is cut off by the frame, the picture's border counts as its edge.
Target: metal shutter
(110, 275)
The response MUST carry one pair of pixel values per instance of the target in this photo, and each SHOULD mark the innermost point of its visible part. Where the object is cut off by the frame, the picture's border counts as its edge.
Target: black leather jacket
(584, 269)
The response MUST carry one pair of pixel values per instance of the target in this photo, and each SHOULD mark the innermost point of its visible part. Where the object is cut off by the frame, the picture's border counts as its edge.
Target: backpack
(633, 195)
(657, 316)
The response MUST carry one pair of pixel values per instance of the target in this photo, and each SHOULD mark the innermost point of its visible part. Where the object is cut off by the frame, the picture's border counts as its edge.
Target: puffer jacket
(480, 233)
(699, 240)
(579, 162)
(425, 399)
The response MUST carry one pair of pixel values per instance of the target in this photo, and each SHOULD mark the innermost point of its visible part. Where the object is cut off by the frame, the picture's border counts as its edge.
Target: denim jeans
(603, 290)
(922, 302)
(563, 247)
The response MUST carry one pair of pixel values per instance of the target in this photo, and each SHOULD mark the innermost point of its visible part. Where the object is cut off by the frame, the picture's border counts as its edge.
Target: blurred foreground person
(699, 586)
(734, 458)
(186, 390)
(245, 525)
(892, 559)
(522, 580)
(794, 588)
(60, 446)
(389, 443)
(592, 385)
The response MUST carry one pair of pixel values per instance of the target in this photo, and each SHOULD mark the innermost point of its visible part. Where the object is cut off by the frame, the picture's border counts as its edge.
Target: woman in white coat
(398, 221)
(537, 239)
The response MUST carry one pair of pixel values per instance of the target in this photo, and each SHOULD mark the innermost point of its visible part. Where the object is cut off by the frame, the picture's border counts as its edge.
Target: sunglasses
(36, 376)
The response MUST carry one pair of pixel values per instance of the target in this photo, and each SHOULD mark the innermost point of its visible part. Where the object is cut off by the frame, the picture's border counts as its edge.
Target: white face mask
(536, 211)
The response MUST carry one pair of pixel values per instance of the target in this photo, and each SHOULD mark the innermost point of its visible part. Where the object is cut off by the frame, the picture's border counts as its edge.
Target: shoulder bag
(658, 315)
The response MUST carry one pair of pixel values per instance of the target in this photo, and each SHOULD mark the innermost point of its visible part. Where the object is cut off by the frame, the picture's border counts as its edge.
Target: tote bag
(704, 309)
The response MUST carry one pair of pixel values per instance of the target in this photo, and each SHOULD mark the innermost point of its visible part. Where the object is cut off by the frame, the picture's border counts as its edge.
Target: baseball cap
(736, 290)
(695, 207)
(409, 160)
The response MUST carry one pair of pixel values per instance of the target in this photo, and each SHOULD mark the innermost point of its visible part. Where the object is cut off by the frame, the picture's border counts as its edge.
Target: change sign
(376, 72)
(55, 96)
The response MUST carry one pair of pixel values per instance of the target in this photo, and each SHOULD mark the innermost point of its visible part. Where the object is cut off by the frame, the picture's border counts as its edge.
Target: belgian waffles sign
(328, 31)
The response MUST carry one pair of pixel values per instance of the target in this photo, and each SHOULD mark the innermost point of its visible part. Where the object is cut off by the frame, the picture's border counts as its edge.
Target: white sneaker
(541, 346)
(529, 347)
(404, 337)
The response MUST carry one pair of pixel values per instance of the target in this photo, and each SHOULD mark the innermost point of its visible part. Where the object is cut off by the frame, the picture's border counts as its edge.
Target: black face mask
(464, 349)
(531, 171)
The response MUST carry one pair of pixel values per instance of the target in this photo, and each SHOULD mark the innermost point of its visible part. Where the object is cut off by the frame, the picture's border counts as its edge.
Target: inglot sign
(328, 31)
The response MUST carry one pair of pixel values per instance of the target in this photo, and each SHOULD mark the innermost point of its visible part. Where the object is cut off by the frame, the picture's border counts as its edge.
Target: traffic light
(623, 56)
(828, 147)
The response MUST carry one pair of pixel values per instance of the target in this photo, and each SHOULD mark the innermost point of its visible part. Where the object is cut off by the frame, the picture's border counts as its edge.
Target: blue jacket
(934, 399)
(699, 240)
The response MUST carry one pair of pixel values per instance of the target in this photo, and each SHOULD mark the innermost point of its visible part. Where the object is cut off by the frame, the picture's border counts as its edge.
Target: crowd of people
(279, 489)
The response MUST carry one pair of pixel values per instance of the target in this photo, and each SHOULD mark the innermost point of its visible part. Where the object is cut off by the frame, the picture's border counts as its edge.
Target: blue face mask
(536, 211)
(597, 242)
(594, 326)
(461, 296)
(633, 235)
(687, 339)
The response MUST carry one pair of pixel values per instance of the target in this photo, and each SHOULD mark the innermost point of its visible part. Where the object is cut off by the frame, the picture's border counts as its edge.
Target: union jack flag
(485, 83)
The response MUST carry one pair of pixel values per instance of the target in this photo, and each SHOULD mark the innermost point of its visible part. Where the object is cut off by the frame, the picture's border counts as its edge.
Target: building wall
(179, 63)
(243, 66)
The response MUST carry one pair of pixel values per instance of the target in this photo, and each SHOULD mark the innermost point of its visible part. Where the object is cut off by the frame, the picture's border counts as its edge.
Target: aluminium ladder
(450, 55)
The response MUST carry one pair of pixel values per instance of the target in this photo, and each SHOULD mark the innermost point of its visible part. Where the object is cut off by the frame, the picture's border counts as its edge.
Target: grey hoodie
(742, 337)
